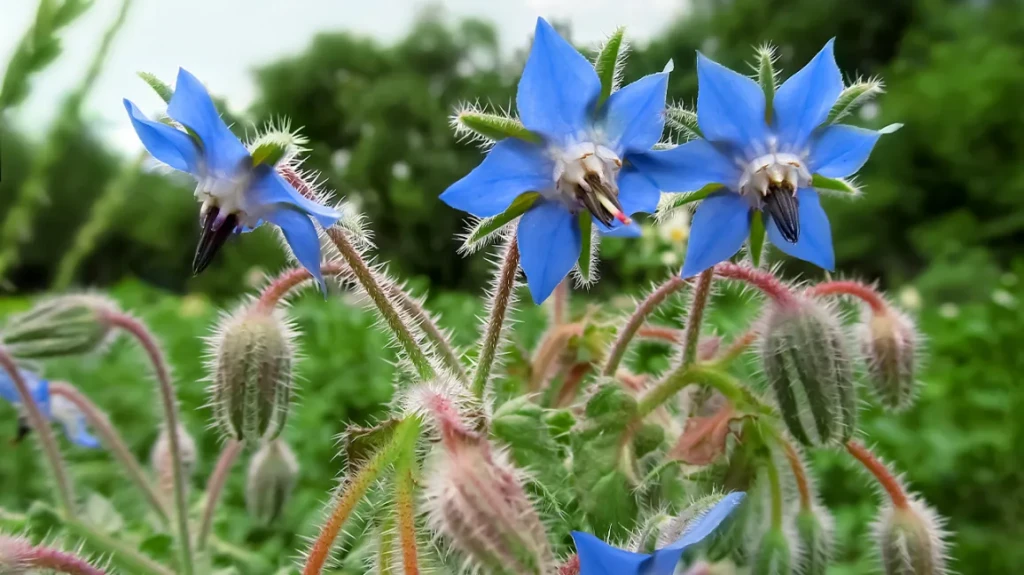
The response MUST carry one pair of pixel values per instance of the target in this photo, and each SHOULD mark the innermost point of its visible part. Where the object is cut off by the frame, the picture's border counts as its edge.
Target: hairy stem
(803, 485)
(679, 378)
(695, 319)
(737, 347)
(629, 330)
(22, 554)
(560, 303)
(882, 474)
(760, 279)
(504, 285)
(45, 434)
(214, 487)
(405, 509)
(121, 554)
(851, 288)
(100, 423)
(775, 490)
(549, 351)
(169, 401)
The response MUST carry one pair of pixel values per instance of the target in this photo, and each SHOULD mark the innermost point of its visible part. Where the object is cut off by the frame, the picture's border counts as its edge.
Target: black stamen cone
(211, 240)
(23, 430)
(784, 210)
(590, 201)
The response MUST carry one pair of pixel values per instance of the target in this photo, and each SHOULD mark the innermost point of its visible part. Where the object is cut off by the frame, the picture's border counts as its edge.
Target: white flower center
(772, 172)
(586, 177)
(227, 194)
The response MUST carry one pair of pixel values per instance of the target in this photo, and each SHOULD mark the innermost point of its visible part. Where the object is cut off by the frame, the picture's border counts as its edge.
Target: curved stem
(169, 401)
(560, 303)
(695, 319)
(760, 279)
(864, 292)
(628, 331)
(803, 485)
(882, 474)
(724, 383)
(405, 509)
(43, 431)
(775, 489)
(549, 351)
(100, 423)
(22, 554)
(214, 487)
(737, 347)
(504, 285)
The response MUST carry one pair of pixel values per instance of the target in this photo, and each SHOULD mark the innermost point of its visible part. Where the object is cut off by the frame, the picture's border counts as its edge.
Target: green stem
(727, 385)
(691, 334)
(405, 508)
(628, 331)
(256, 563)
(775, 487)
(504, 286)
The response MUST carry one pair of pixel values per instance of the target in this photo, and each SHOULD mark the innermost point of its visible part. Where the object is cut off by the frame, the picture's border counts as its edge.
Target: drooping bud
(273, 471)
(814, 532)
(252, 358)
(162, 459)
(61, 326)
(673, 529)
(476, 499)
(773, 555)
(889, 342)
(807, 363)
(911, 540)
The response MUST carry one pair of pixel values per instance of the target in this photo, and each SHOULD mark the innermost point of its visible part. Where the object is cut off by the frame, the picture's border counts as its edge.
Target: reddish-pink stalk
(280, 286)
(864, 292)
(551, 347)
(214, 487)
(22, 554)
(635, 321)
(571, 566)
(695, 319)
(760, 279)
(882, 474)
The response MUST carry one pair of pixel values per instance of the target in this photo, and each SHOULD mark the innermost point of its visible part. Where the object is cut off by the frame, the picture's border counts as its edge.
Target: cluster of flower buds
(60, 326)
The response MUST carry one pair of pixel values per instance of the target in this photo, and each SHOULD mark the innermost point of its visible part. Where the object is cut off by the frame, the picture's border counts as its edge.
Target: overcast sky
(222, 41)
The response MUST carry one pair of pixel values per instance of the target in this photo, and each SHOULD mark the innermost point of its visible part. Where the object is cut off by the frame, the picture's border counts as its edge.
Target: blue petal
(191, 106)
(815, 242)
(666, 559)
(511, 168)
(39, 389)
(302, 238)
(74, 422)
(270, 191)
(165, 143)
(619, 231)
(558, 87)
(688, 168)
(637, 192)
(730, 106)
(840, 150)
(598, 558)
(717, 232)
(549, 245)
(635, 115)
(803, 101)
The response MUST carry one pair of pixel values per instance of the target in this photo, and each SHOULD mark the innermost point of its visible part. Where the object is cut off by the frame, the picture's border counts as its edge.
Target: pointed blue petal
(169, 145)
(192, 106)
(635, 115)
(815, 243)
(840, 150)
(598, 558)
(39, 389)
(803, 101)
(666, 559)
(302, 238)
(688, 168)
(637, 192)
(730, 106)
(549, 245)
(270, 191)
(74, 422)
(511, 168)
(558, 88)
(719, 227)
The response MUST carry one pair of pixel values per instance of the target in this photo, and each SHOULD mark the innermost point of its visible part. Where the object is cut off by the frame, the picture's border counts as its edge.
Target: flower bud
(773, 555)
(477, 501)
(252, 360)
(675, 527)
(814, 533)
(807, 363)
(911, 540)
(61, 326)
(889, 342)
(273, 471)
(163, 461)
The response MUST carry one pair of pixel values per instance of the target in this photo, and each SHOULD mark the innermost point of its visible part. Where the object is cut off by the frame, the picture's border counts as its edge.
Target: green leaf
(820, 182)
(493, 126)
(102, 514)
(756, 238)
(853, 97)
(159, 546)
(159, 86)
(684, 120)
(70, 11)
(361, 443)
(609, 63)
(482, 231)
(269, 153)
(586, 237)
(672, 202)
(766, 76)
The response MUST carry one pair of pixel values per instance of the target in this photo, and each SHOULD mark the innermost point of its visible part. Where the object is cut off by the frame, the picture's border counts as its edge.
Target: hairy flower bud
(252, 358)
(162, 459)
(889, 342)
(911, 540)
(273, 471)
(773, 555)
(814, 533)
(807, 363)
(477, 500)
(60, 326)
(675, 527)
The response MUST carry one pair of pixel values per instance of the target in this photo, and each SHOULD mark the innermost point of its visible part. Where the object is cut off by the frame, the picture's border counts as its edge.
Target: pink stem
(852, 288)
(762, 280)
(23, 554)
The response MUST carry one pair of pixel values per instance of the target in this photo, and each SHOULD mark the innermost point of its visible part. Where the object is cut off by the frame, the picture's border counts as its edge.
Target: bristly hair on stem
(628, 331)
(694, 320)
(500, 302)
(18, 555)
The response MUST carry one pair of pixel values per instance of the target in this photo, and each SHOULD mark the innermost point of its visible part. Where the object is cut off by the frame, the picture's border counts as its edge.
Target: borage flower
(765, 159)
(54, 408)
(598, 558)
(238, 189)
(582, 159)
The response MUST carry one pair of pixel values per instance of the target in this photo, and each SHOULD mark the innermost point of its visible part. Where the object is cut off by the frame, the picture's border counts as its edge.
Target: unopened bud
(162, 459)
(252, 361)
(807, 363)
(673, 529)
(773, 556)
(477, 501)
(814, 532)
(14, 555)
(60, 326)
(911, 540)
(889, 343)
(272, 475)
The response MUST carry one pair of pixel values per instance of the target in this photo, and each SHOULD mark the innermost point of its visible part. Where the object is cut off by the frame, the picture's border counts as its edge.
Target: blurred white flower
(400, 170)
(676, 229)
(910, 298)
(1004, 298)
(869, 111)
(340, 159)
(670, 258)
(949, 310)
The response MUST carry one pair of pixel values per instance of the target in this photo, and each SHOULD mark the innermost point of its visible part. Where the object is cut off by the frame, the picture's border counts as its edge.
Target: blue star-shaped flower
(762, 165)
(587, 159)
(54, 408)
(598, 558)
(236, 195)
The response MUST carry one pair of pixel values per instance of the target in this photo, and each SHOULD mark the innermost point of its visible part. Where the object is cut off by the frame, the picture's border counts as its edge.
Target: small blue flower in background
(762, 165)
(54, 408)
(236, 195)
(598, 558)
(585, 161)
